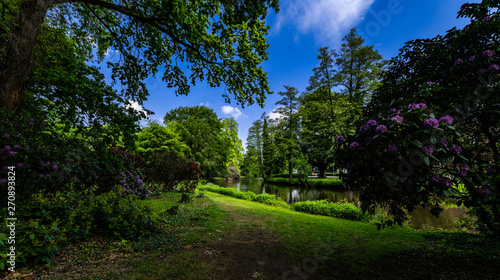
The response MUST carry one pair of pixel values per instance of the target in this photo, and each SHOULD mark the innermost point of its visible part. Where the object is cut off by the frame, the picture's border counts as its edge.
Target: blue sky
(300, 29)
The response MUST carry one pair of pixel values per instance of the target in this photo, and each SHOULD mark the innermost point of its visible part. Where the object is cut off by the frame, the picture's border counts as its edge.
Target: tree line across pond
(302, 138)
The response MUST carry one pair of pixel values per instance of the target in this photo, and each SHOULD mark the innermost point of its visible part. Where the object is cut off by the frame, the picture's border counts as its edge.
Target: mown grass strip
(342, 210)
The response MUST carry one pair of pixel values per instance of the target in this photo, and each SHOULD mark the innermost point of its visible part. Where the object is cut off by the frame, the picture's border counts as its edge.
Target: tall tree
(201, 130)
(318, 131)
(290, 124)
(158, 138)
(235, 151)
(324, 75)
(62, 84)
(254, 145)
(219, 41)
(267, 149)
(359, 67)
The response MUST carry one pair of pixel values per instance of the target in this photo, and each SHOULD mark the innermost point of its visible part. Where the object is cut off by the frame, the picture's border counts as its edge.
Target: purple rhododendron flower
(412, 106)
(6, 135)
(494, 67)
(5, 167)
(485, 191)
(371, 123)
(7, 148)
(55, 166)
(397, 118)
(17, 146)
(446, 119)
(30, 123)
(392, 149)
(397, 112)
(41, 175)
(19, 165)
(442, 143)
(435, 178)
(458, 62)
(486, 18)
(340, 138)
(422, 106)
(456, 149)
(488, 53)
(432, 122)
(430, 83)
(3, 180)
(363, 127)
(381, 129)
(354, 145)
(428, 150)
(446, 182)
(463, 170)
(471, 58)
(12, 153)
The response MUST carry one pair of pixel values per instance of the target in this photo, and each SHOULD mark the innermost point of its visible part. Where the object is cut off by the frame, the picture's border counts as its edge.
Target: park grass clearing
(220, 237)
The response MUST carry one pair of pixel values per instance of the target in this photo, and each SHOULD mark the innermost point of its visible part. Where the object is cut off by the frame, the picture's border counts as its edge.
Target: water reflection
(420, 217)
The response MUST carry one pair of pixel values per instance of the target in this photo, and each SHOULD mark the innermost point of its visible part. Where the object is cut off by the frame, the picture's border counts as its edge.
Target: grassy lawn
(220, 237)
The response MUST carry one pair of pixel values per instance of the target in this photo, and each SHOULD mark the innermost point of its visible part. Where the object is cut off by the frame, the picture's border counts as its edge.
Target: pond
(420, 217)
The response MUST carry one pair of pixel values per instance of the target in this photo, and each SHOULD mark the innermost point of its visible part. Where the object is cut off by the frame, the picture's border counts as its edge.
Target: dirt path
(248, 251)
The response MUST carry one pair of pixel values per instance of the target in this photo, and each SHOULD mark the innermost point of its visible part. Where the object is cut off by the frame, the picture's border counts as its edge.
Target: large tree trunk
(15, 62)
(322, 172)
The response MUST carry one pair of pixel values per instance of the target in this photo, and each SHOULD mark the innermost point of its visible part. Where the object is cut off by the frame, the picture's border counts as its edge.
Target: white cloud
(326, 20)
(206, 104)
(233, 111)
(274, 115)
(135, 105)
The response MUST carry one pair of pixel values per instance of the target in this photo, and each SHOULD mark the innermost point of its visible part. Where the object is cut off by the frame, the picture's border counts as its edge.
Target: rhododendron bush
(46, 159)
(432, 129)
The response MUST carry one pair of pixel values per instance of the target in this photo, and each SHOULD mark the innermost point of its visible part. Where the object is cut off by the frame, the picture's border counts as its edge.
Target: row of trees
(303, 137)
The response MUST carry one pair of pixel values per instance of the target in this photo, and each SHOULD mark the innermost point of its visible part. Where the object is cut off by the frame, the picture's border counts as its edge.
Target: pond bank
(420, 217)
(325, 183)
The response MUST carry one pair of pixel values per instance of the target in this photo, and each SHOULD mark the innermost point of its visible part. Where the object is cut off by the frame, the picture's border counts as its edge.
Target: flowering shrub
(132, 184)
(48, 159)
(446, 89)
(173, 171)
(405, 165)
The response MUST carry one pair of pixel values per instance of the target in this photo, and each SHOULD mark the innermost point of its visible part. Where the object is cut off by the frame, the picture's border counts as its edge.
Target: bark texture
(15, 62)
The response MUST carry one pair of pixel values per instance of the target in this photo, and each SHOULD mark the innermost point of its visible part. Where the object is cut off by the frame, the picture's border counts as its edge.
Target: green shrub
(173, 171)
(269, 199)
(341, 210)
(45, 221)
